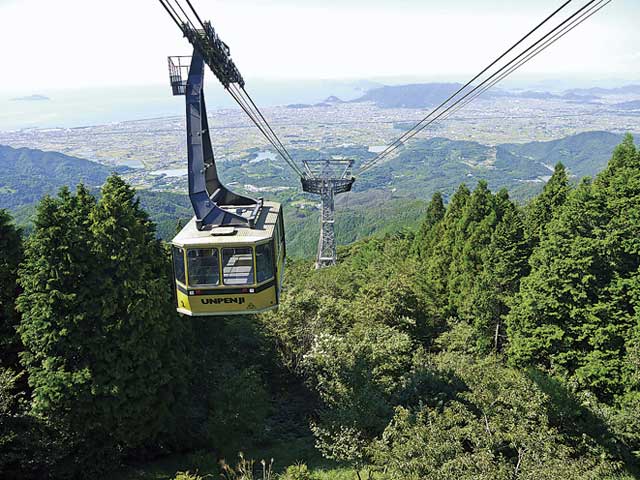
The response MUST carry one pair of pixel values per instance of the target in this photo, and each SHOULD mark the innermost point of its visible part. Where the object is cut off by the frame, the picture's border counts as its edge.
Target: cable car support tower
(327, 178)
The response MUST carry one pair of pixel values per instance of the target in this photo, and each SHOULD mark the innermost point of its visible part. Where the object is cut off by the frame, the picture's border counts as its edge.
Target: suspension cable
(186, 15)
(264, 120)
(425, 121)
(585, 15)
(269, 126)
(177, 18)
(173, 17)
(564, 28)
(263, 125)
(195, 13)
(237, 91)
(400, 140)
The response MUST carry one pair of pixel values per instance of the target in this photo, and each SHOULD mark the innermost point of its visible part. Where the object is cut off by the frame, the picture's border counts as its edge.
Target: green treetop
(99, 326)
(505, 263)
(542, 209)
(575, 313)
(10, 257)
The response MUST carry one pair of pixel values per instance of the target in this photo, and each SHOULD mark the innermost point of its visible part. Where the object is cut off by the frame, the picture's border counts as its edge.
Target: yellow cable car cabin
(229, 259)
(230, 270)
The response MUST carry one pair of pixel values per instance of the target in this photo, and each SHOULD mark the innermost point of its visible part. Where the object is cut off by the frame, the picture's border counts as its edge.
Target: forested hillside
(27, 175)
(392, 195)
(438, 164)
(493, 341)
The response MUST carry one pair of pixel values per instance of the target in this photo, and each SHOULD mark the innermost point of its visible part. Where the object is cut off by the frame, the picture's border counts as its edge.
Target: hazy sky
(74, 43)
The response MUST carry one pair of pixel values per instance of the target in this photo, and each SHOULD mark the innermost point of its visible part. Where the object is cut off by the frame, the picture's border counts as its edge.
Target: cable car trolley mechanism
(229, 259)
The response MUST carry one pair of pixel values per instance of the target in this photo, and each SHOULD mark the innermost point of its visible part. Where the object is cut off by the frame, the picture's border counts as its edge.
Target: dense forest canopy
(493, 341)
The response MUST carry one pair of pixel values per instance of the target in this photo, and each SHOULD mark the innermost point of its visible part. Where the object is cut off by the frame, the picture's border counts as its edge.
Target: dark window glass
(178, 264)
(237, 266)
(282, 234)
(204, 267)
(264, 262)
(281, 223)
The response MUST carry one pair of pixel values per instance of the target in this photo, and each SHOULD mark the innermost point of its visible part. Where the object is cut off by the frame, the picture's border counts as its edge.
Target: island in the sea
(31, 98)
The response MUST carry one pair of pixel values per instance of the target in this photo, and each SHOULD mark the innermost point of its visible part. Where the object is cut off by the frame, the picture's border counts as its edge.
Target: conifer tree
(10, 257)
(458, 202)
(136, 370)
(575, 312)
(631, 367)
(437, 257)
(435, 213)
(98, 321)
(618, 332)
(542, 209)
(58, 284)
(472, 236)
(563, 271)
(505, 263)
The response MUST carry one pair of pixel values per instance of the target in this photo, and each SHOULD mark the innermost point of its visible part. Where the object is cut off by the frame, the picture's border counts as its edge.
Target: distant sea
(97, 106)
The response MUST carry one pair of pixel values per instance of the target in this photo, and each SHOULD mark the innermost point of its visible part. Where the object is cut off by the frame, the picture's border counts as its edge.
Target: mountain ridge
(427, 95)
(29, 174)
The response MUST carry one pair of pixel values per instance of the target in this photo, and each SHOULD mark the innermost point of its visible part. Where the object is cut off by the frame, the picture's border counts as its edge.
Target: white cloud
(69, 43)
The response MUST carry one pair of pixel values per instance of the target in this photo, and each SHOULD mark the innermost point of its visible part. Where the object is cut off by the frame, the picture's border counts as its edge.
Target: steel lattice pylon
(327, 178)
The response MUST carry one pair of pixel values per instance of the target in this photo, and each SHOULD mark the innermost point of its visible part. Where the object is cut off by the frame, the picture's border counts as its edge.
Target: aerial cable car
(229, 258)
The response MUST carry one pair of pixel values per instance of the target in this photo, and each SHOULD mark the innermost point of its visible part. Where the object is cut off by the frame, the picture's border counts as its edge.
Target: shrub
(299, 471)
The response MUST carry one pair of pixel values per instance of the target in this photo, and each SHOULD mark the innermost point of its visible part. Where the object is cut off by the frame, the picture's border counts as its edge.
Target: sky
(95, 43)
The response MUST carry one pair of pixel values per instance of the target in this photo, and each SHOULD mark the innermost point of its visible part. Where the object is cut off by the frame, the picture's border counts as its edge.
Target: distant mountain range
(626, 90)
(421, 95)
(428, 95)
(437, 164)
(584, 154)
(27, 175)
(632, 105)
(440, 164)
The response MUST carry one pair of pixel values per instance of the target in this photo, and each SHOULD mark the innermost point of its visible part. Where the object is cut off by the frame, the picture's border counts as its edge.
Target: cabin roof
(263, 230)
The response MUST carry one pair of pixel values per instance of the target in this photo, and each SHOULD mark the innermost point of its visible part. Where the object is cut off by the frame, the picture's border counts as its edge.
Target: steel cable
(239, 94)
(595, 9)
(266, 130)
(421, 125)
(564, 28)
(264, 127)
(270, 129)
(492, 64)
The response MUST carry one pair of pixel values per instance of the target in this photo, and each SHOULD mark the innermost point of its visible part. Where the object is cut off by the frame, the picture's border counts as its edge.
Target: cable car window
(204, 267)
(178, 264)
(264, 262)
(282, 233)
(237, 266)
